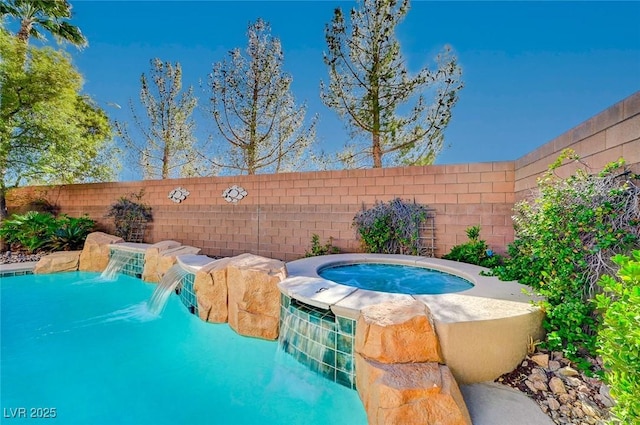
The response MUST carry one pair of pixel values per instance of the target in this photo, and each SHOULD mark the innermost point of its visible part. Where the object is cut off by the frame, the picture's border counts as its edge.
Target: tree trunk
(3, 215)
(377, 150)
(3, 204)
(25, 30)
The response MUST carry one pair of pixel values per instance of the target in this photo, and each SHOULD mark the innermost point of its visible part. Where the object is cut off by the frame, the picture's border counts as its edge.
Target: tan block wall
(604, 138)
(282, 211)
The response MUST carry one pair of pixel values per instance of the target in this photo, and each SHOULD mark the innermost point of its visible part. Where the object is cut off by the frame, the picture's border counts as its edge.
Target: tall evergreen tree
(369, 86)
(254, 110)
(167, 147)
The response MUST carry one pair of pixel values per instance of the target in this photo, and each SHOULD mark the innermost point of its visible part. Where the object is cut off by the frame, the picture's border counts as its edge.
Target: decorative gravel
(9, 257)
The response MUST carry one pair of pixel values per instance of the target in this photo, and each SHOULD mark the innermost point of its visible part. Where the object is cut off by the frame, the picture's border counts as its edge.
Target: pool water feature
(395, 278)
(168, 284)
(318, 339)
(118, 260)
(92, 351)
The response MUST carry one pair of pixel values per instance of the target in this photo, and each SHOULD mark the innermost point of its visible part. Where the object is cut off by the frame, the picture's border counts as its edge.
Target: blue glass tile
(345, 325)
(344, 379)
(345, 344)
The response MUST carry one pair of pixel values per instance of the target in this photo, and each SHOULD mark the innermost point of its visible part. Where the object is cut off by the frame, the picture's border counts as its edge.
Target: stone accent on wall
(63, 261)
(398, 331)
(409, 393)
(95, 253)
(210, 286)
(152, 258)
(254, 297)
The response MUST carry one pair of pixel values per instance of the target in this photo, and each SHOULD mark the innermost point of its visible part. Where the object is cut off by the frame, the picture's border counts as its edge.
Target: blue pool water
(90, 352)
(395, 278)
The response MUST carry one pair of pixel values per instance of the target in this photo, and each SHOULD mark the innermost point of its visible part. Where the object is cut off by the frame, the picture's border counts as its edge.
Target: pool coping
(488, 299)
(17, 269)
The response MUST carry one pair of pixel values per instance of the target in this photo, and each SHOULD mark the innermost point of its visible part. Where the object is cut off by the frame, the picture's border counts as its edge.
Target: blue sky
(532, 70)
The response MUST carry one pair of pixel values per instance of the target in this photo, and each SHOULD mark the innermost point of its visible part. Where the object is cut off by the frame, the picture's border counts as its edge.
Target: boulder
(167, 259)
(63, 261)
(95, 254)
(409, 393)
(254, 298)
(398, 331)
(210, 286)
(152, 259)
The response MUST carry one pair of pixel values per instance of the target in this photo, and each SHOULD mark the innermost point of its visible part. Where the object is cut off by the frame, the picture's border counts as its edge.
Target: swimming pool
(91, 351)
(395, 278)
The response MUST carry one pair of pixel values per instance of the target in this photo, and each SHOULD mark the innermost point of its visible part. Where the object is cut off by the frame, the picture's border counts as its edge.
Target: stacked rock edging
(95, 253)
(161, 258)
(152, 256)
(254, 297)
(400, 378)
(63, 261)
(210, 286)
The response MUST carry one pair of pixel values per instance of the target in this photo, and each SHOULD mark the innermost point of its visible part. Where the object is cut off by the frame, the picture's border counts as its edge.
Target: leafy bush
(130, 217)
(391, 228)
(619, 336)
(564, 242)
(476, 251)
(70, 233)
(319, 249)
(37, 231)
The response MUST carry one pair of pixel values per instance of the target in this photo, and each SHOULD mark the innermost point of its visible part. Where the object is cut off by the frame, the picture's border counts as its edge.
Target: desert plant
(321, 249)
(391, 228)
(130, 217)
(476, 251)
(619, 336)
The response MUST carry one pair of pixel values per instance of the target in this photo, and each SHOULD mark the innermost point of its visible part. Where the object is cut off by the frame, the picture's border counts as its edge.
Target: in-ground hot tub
(394, 278)
(483, 330)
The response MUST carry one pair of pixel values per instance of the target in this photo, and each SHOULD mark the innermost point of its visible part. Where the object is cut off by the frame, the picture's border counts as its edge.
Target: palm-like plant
(51, 15)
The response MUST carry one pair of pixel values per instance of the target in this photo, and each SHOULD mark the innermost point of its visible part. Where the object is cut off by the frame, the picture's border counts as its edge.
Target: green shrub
(37, 231)
(70, 233)
(29, 231)
(476, 251)
(565, 239)
(391, 228)
(318, 249)
(619, 337)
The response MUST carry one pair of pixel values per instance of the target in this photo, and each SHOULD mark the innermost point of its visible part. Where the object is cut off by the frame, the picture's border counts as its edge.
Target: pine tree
(369, 85)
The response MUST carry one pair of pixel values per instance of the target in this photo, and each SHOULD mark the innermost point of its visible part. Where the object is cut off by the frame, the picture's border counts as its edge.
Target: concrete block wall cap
(456, 308)
(317, 292)
(193, 262)
(180, 250)
(218, 264)
(309, 266)
(256, 262)
(164, 245)
(130, 246)
(351, 305)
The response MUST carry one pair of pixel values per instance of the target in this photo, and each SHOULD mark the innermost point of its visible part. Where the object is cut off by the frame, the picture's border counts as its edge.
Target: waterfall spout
(118, 260)
(167, 285)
